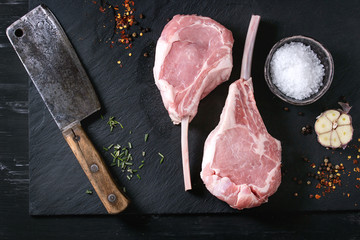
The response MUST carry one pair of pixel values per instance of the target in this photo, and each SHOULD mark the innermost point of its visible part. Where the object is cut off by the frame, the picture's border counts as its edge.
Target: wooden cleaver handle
(95, 169)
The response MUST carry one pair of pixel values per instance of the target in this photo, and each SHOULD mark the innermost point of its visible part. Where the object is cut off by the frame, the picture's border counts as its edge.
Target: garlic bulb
(334, 127)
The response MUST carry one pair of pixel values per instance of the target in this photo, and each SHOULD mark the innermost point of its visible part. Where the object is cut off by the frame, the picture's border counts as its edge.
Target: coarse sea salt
(296, 70)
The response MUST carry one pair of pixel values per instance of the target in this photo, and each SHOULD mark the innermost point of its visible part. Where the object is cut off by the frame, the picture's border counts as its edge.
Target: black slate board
(57, 183)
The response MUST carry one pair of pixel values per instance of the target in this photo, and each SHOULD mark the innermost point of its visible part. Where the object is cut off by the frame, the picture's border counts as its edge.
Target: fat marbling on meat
(241, 162)
(193, 56)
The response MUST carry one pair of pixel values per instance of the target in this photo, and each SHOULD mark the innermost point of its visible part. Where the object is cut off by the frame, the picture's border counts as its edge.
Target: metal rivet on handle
(112, 197)
(76, 138)
(94, 168)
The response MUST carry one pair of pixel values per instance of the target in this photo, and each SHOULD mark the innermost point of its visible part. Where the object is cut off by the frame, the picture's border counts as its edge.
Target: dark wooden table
(15, 222)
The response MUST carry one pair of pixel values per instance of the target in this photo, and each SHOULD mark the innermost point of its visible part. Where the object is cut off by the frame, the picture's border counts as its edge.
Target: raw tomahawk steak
(241, 163)
(193, 56)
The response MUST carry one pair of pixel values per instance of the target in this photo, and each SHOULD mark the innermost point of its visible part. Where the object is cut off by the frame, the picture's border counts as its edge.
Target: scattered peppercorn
(306, 130)
(326, 177)
(296, 194)
(146, 54)
(141, 16)
(124, 19)
(286, 109)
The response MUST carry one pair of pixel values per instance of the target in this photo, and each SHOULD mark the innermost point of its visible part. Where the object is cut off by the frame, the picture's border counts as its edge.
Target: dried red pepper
(124, 19)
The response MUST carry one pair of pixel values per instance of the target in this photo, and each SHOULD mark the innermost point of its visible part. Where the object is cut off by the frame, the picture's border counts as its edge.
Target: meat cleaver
(58, 75)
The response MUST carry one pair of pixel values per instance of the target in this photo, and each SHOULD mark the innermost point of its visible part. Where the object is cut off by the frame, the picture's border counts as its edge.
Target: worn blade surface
(53, 66)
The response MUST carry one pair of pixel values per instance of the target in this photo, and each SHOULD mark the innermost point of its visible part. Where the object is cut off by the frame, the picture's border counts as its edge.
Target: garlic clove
(325, 139)
(344, 119)
(345, 133)
(335, 140)
(323, 124)
(332, 115)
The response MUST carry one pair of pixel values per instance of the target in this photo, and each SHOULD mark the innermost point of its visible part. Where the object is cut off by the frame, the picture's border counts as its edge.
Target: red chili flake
(94, 2)
(357, 186)
(355, 161)
(124, 19)
(101, 9)
(328, 176)
(317, 196)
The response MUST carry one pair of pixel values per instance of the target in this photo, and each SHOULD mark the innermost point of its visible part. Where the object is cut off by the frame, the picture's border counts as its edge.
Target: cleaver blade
(57, 73)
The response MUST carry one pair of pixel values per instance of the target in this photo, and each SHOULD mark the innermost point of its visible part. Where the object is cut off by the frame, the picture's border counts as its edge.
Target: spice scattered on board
(127, 156)
(113, 123)
(307, 129)
(126, 26)
(327, 177)
(123, 158)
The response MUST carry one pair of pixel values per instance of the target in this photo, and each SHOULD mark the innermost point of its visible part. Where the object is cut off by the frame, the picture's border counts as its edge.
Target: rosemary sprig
(112, 123)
